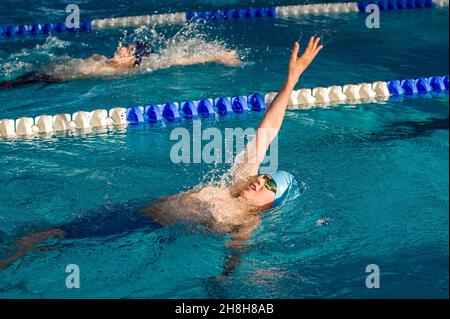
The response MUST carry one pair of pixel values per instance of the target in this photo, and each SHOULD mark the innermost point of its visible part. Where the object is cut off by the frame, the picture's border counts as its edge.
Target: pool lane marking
(218, 107)
(30, 30)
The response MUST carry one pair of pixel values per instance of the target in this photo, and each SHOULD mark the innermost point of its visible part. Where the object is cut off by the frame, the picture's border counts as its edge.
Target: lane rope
(221, 106)
(30, 30)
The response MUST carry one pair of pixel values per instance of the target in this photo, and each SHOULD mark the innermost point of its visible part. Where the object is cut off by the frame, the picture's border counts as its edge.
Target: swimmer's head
(124, 56)
(285, 183)
(132, 54)
(267, 191)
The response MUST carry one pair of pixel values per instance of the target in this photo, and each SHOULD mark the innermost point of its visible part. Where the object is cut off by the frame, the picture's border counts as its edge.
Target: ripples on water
(373, 177)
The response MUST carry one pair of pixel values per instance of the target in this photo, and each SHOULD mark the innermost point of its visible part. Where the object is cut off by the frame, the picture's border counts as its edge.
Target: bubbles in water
(52, 42)
(9, 69)
(324, 221)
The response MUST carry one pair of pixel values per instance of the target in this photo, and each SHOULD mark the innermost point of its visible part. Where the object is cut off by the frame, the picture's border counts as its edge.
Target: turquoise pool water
(375, 176)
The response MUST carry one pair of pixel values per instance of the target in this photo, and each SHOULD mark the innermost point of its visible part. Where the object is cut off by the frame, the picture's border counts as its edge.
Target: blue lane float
(435, 84)
(189, 109)
(395, 87)
(217, 15)
(135, 115)
(41, 29)
(423, 85)
(409, 86)
(256, 102)
(385, 5)
(170, 111)
(205, 108)
(223, 106)
(232, 14)
(154, 114)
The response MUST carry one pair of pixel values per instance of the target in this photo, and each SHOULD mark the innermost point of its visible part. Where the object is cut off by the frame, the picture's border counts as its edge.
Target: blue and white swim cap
(287, 186)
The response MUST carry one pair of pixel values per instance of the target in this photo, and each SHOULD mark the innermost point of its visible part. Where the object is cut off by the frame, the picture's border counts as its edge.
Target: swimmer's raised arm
(297, 65)
(273, 118)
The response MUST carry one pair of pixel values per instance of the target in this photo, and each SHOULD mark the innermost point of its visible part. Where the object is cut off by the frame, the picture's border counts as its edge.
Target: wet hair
(142, 49)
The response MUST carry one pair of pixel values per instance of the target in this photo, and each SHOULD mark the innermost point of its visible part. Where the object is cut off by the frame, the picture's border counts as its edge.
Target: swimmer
(126, 59)
(236, 209)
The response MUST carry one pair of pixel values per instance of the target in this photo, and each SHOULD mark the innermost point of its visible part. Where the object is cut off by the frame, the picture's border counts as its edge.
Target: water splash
(323, 221)
(190, 41)
(187, 42)
(30, 59)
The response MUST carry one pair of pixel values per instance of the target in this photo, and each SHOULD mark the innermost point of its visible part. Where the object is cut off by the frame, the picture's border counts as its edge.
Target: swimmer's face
(257, 193)
(125, 56)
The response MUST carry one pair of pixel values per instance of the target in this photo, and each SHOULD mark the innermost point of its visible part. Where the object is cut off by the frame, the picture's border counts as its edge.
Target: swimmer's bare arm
(236, 244)
(29, 243)
(97, 57)
(106, 66)
(226, 58)
(273, 118)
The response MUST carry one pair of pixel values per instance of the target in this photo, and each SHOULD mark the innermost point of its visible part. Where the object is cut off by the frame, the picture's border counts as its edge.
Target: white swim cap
(285, 182)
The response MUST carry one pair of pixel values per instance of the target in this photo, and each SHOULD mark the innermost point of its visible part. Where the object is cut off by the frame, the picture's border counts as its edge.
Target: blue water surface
(374, 176)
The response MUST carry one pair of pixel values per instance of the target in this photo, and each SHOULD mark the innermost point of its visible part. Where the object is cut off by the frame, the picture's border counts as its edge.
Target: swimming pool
(374, 176)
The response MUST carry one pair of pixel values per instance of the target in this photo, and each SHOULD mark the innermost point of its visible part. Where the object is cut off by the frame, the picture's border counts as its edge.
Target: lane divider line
(29, 30)
(219, 107)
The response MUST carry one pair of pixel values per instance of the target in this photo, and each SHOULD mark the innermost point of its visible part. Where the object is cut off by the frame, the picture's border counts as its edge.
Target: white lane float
(321, 95)
(293, 99)
(24, 126)
(118, 116)
(7, 128)
(381, 89)
(44, 124)
(351, 91)
(61, 122)
(366, 91)
(82, 120)
(305, 97)
(336, 94)
(98, 118)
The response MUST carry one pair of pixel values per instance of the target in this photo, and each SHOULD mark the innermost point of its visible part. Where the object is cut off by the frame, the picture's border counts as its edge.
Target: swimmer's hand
(298, 65)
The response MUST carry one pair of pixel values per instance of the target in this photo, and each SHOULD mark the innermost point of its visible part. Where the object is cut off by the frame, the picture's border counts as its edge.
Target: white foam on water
(323, 221)
(190, 41)
(31, 59)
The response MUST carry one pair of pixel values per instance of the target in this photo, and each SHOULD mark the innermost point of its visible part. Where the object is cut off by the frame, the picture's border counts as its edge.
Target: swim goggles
(270, 183)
